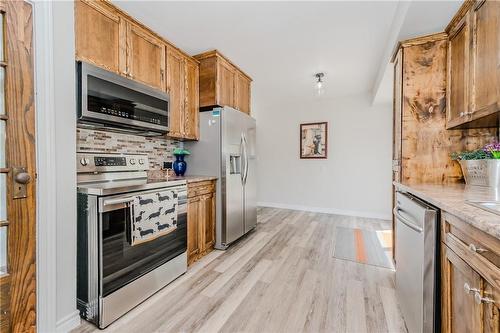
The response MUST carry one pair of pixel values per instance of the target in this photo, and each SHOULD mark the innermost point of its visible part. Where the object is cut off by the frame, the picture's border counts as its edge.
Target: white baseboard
(68, 323)
(325, 210)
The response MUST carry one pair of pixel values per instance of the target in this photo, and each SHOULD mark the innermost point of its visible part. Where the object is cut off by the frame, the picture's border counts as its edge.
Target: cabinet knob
(468, 289)
(476, 249)
(462, 114)
(479, 299)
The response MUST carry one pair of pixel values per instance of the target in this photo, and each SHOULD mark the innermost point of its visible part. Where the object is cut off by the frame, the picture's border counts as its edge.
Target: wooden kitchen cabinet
(470, 278)
(222, 83)
(193, 229)
(145, 57)
(176, 91)
(201, 219)
(192, 100)
(462, 312)
(99, 30)
(183, 89)
(111, 39)
(458, 74)
(242, 93)
(473, 90)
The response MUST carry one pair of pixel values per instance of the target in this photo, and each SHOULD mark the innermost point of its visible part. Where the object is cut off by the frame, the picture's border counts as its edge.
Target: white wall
(356, 177)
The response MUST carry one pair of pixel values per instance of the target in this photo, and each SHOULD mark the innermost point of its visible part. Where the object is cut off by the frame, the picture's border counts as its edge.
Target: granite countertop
(452, 199)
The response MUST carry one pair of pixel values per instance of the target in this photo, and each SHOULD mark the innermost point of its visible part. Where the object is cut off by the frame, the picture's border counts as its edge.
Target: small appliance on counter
(131, 234)
(111, 102)
(226, 149)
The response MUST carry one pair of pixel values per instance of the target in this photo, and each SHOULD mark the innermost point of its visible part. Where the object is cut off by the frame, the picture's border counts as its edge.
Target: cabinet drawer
(478, 249)
(200, 188)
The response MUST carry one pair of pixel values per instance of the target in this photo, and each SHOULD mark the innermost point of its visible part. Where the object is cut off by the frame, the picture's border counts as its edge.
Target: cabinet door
(193, 229)
(225, 84)
(192, 106)
(485, 58)
(99, 31)
(491, 306)
(145, 57)
(242, 93)
(208, 218)
(458, 73)
(176, 90)
(460, 312)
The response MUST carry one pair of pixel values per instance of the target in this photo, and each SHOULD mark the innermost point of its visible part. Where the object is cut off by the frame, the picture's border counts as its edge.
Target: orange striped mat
(364, 246)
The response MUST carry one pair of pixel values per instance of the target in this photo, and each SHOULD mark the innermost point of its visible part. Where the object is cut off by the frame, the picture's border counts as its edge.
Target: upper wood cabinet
(226, 77)
(458, 74)
(242, 93)
(192, 105)
(222, 83)
(111, 39)
(183, 89)
(473, 89)
(99, 30)
(176, 91)
(145, 57)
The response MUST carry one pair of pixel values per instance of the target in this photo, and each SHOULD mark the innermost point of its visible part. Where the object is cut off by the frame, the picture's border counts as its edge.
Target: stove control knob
(141, 161)
(132, 161)
(84, 161)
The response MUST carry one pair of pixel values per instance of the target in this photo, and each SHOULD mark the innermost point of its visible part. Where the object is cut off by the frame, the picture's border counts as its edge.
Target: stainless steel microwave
(109, 101)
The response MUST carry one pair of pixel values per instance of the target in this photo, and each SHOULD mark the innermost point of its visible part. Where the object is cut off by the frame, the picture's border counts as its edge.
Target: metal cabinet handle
(479, 299)
(476, 249)
(468, 289)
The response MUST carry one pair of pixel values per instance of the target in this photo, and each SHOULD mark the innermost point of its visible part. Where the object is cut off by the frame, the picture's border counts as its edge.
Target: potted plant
(180, 165)
(481, 166)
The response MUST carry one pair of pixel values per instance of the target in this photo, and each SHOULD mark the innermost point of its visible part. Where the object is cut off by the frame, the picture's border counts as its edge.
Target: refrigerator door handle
(246, 157)
(242, 159)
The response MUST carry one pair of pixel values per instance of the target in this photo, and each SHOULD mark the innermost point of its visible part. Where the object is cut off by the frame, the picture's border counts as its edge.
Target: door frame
(46, 167)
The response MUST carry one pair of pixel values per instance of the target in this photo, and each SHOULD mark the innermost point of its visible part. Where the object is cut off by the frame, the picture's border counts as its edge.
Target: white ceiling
(282, 44)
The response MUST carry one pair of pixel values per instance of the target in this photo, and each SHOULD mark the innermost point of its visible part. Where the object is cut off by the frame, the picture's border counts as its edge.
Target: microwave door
(110, 100)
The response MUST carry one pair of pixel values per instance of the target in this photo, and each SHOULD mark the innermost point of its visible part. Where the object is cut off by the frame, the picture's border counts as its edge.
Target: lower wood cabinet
(470, 278)
(201, 219)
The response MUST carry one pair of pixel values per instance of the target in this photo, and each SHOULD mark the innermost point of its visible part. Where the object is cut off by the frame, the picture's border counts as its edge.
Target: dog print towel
(155, 215)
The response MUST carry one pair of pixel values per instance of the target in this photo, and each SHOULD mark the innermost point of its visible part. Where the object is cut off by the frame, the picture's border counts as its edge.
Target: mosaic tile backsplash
(158, 149)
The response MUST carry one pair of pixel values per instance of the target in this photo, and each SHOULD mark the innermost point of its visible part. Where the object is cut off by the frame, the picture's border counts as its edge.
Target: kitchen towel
(155, 215)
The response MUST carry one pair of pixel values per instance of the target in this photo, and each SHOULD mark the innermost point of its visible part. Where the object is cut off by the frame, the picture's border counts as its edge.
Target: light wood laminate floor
(282, 277)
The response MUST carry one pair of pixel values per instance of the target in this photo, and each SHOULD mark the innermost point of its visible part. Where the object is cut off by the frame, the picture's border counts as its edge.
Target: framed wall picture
(314, 140)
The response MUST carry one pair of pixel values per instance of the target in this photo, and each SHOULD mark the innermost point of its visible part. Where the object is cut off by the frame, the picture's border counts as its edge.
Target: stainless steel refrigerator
(226, 149)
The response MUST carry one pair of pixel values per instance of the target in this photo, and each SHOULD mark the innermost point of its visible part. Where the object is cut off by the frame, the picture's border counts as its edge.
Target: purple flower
(493, 149)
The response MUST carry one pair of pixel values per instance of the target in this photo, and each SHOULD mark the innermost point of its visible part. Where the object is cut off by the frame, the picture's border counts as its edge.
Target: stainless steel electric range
(114, 274)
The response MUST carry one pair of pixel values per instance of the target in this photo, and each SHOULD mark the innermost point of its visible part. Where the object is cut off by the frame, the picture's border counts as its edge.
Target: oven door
(121, 263)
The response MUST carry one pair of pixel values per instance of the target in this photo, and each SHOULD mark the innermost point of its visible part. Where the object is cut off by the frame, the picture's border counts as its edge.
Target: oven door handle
(109, 202)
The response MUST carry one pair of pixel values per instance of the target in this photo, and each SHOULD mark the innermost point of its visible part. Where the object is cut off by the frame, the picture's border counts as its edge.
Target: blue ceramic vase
(180, 165)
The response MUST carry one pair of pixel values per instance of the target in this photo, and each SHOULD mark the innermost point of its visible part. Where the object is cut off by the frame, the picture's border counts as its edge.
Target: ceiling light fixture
(320, 89)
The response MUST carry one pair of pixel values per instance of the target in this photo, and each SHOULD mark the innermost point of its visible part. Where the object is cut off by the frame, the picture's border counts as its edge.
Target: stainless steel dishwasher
(416, 249)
